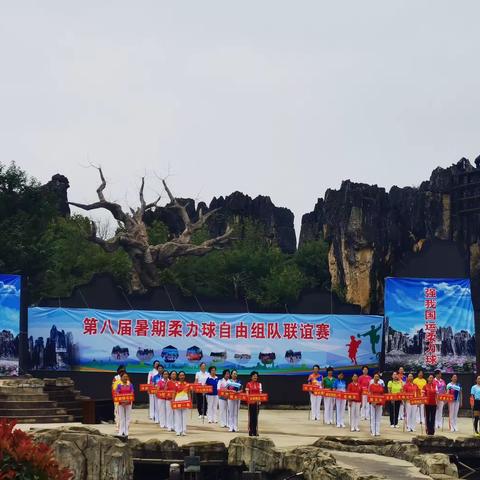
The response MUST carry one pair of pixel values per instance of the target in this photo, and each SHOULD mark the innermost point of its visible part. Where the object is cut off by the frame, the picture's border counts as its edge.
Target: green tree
(72, 259)
(312, 260)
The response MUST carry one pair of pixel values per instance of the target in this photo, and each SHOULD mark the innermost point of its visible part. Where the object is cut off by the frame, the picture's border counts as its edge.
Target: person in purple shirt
(212, 398)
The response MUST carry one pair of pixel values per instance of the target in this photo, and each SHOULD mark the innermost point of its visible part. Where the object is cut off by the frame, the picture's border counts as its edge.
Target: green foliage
(312, 260)
(251, 268)
(72, 259)
(157, 232)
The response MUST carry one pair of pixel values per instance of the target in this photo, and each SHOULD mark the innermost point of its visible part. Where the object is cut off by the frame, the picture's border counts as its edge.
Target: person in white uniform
(222, 401)
(233, 405)
(201, 377)
(151, 397)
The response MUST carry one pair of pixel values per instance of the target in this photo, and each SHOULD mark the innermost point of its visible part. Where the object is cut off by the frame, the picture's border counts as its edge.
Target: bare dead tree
(132, 235)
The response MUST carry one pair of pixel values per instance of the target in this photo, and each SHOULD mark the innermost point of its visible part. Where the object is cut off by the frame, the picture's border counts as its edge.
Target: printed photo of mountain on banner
(430, 324)
(9, 323)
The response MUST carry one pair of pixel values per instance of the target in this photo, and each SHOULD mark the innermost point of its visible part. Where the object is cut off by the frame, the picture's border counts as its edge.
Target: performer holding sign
(181, 404)
(340, 386)
(212, 398)
(328, 402)
(151, 396)
(162, 402)
(354, 387)
(315, 378)
(364, 381)
(171, 387)
(431, 405)
(376, 391)
(439, 382)
(253, 387)
(410, 410)
(475, 402)
(420, 382)
(124, 393)
(453, 388)
(223, 401)
(201, 377)
(233, 404)
(394, 386)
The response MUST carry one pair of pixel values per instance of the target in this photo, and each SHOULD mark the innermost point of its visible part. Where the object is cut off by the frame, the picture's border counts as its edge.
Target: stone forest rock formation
(369, 230)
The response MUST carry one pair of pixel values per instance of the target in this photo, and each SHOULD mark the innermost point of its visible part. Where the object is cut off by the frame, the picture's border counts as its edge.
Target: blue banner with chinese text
(100, 340)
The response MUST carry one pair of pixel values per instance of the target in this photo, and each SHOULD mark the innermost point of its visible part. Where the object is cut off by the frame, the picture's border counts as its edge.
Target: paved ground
(287, 428)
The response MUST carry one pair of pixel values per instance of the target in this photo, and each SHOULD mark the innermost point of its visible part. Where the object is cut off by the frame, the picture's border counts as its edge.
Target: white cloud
(8, 289)
(452, 289)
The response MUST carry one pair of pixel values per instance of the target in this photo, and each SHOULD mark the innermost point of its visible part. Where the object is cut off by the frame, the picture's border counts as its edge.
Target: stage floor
(286, 428)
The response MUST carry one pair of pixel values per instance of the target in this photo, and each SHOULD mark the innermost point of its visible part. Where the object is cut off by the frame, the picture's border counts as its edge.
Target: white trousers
(180, 419)
(315, 403)
(439, 414)
(212, 405)
(115, 415)
(365, 408)
(401, 411)
(233, 408)
(340, 406)
(161, 412)
(355, 415)
(124, 413)
(328, 405)
(169, 415)
(410, 415)
(223, 412)
(375, 418)
(151, 406)
(421, 414)
(453, 414)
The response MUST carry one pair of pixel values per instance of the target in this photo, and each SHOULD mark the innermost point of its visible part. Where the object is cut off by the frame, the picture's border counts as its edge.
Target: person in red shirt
(364, 381)
(410, 410)
(376, 388)
(182, 394)
(354, 387)
(431, 405)
(315, 378)
(253, 387)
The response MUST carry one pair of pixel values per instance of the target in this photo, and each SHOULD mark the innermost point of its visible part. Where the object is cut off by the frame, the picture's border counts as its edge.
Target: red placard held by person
(376, 398)
(199, 388)
(181, 404)
(397, 396)
(145, 387)
(253, 397)
(123, 398)
(446, 397)
(418, 400)
(165, 394)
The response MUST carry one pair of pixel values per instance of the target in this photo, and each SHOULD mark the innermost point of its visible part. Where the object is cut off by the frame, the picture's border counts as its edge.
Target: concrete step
(7, 390)
(19, 412)
(26, 404)
(42, 419)
(34, 397)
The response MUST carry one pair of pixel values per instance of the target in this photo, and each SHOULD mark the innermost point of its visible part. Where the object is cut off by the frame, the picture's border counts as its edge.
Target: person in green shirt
(395, 385)
(328, 402)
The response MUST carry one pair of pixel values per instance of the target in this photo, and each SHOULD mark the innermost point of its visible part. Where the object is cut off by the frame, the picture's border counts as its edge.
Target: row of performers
(217, 398)
(422, 399)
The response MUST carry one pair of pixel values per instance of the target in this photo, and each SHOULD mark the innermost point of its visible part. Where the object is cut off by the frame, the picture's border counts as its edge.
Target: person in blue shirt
(455, 389)
(475, 403)
(340, 385)
(212, 398)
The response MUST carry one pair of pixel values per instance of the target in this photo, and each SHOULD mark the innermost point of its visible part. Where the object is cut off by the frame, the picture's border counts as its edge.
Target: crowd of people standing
(430, 389)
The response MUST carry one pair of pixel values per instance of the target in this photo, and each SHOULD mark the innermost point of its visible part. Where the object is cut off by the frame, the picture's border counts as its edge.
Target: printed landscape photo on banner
(10, 286)
(430, 324)
(101, 340)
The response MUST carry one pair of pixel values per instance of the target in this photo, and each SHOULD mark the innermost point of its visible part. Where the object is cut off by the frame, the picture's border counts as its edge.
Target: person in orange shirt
(354, 387)
(364, 381)
(171, 386)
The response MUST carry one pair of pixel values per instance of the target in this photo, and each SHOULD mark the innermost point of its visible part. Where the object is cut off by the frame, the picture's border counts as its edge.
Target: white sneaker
(178, 434)
(183, 434)
(396, 426)
(357, 429)
(352, 429)
(392, 426)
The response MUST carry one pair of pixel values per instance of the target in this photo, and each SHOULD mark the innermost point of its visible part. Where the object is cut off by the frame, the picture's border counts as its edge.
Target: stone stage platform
(288, 442)
(286, 428)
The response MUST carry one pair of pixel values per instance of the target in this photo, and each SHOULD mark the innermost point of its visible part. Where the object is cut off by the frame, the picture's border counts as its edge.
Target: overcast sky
(277, 98)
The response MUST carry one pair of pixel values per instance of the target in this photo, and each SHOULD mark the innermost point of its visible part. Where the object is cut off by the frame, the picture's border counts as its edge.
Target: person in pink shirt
(439, 382)
(364, 382)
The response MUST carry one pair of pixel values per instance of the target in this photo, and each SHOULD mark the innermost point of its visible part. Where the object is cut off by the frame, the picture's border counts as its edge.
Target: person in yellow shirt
(420, 382)
(395, 385)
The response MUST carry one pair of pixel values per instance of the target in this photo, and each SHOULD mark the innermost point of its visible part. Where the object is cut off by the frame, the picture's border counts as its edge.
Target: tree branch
(109, 246)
